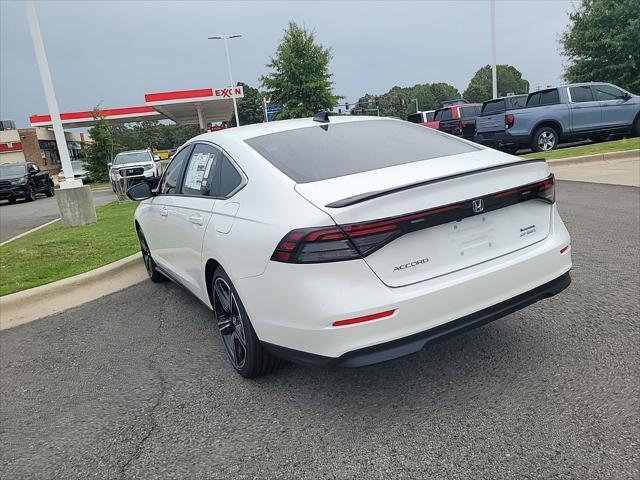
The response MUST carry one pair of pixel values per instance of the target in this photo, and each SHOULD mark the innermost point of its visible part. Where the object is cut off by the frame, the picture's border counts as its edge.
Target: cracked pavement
(136, 385)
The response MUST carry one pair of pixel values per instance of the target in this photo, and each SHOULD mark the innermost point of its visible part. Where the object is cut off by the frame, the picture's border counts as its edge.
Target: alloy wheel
(546, 140)
(230, 323)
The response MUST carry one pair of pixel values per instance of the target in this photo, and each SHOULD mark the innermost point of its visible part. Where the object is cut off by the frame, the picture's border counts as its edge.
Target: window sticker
(198, 171)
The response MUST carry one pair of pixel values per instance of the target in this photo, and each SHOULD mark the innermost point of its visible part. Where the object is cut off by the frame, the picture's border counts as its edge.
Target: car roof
(258, 129)
(135, 151)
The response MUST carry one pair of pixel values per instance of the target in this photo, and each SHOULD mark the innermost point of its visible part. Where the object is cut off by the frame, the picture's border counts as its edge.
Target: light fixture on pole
(226, 48)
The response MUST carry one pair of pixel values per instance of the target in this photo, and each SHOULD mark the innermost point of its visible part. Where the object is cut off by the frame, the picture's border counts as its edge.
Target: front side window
(607, 92)
(170, 180)
(316, 153)
(581, 94)
(201, 173)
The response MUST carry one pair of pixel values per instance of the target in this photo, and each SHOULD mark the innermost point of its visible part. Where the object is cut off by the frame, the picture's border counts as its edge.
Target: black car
(23, 180)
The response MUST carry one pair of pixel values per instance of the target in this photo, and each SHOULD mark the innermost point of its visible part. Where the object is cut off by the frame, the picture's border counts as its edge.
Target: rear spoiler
(364, 197)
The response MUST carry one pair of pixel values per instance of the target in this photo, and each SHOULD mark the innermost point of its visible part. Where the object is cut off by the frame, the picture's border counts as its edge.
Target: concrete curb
(34, 303)
(598, 157)
(30, 231)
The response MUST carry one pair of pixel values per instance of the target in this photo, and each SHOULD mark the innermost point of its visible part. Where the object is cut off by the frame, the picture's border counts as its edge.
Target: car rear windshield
(443, 114)
(132, 157)
(466, 112)
(494, 106)
(12, 170)
(325, 151)
(415, 117)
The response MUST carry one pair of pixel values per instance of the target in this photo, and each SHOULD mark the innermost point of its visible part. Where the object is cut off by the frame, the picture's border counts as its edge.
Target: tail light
(357, 240)
(463, 124)
(509, 120)
(544, 190)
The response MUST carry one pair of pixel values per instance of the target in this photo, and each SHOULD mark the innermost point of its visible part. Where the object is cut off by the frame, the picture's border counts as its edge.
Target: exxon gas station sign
(230, 92)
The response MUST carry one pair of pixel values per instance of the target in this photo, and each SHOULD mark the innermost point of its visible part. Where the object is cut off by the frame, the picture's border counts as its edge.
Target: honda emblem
(478, 205)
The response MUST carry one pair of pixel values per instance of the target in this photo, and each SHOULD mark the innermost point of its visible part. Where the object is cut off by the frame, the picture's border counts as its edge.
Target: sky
(111, 53)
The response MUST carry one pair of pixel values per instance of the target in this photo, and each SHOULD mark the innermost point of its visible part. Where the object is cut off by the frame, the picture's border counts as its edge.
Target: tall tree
(300, 80)
(101, 149)
(603, 43)
(401, 101)
(250, 108)
(510, 80)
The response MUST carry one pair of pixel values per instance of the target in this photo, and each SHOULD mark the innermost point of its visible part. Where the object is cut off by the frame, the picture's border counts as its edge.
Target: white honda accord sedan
(340, 241)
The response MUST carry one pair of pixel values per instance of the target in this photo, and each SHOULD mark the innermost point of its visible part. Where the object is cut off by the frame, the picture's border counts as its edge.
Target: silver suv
(129, 168)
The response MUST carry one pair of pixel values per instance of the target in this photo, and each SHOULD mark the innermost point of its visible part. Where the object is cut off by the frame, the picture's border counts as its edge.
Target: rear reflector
(357, 240)
(564, 250)
(366, 318)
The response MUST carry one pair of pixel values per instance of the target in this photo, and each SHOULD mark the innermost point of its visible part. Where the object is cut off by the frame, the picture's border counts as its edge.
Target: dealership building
(37, 145)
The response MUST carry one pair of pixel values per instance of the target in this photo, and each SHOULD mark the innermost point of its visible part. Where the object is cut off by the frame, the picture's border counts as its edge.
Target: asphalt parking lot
(135, 385)
(23, 216)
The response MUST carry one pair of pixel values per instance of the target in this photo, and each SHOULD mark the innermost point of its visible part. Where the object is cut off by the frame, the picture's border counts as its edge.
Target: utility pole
(74, 200)
(226, 49)
(52, 104)
(494, 72)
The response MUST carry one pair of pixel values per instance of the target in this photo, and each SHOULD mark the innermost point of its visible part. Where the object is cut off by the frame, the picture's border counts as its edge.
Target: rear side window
(200, 175)
(172, 175)
(492, 107)
(230, 178)
(415, 118)
(444, 114)
(466, 112)
(428, 116)
(327, 151)
(581, 94)
(607, 92)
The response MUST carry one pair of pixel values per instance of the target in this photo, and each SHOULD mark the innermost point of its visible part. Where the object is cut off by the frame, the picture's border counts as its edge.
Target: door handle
(196, 219)
(164, 212)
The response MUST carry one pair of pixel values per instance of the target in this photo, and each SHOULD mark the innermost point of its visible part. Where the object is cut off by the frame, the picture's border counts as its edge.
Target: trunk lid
(490, 123)
(445, 248)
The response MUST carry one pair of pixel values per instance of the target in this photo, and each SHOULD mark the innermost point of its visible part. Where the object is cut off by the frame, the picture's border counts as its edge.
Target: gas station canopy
(199, 106)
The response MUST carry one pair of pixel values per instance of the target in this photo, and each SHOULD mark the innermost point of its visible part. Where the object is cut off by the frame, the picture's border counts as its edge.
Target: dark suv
(23, 180)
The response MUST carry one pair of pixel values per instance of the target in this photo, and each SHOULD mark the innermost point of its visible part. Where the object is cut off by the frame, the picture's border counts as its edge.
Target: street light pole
(226, 49)
(494, 73)
(47, 85)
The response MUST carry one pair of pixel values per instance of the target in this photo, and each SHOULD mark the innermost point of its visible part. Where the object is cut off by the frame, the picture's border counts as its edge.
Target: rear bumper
(414, 343)
(294, 306)
(495, 139)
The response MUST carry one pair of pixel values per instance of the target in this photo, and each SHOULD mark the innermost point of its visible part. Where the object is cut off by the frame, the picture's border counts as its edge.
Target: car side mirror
(140, 191)
(626, 96)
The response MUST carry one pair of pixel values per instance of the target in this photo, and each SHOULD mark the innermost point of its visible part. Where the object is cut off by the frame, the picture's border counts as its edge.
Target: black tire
(149, 263)
(52, 190)
(31, 194)
(250, 359)
(113, 187)
(544, 139)
(636, 127)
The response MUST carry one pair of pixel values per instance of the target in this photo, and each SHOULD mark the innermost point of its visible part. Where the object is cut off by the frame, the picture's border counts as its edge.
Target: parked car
(464, 124)
(129, 168)
(451, 111)
(79, 171)
(421, 117)
(568, 112)
(326, 243)
(24, 180)
(492, 113)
